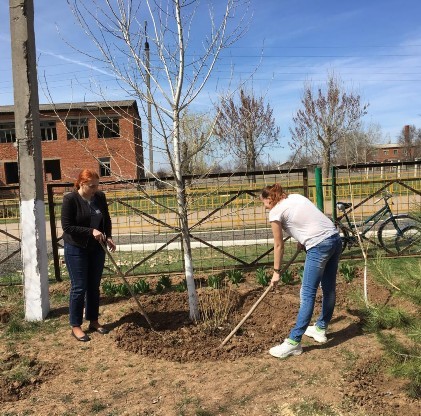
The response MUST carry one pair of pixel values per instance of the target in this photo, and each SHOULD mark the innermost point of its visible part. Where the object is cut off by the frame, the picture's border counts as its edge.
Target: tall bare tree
(174, 79)
(410, 139)
(246, 127)
(325, 117)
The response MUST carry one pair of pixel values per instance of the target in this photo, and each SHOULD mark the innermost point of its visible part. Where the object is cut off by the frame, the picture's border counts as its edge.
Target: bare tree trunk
(326, 161)
(182, 212)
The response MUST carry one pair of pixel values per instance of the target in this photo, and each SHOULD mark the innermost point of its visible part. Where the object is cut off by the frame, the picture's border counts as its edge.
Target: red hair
(85, 175)
(274, 192)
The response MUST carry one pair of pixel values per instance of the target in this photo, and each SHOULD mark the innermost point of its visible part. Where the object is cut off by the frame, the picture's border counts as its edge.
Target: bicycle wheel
(409, 241)
(390, 233)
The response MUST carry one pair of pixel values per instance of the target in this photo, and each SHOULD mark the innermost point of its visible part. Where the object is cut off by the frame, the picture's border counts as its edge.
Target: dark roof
(5, 109)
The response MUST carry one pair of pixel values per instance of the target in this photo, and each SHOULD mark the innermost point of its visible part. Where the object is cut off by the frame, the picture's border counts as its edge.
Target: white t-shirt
(302, 220)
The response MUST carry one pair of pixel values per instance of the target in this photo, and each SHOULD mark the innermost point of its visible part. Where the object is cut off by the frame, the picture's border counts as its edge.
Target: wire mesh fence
(228, 224)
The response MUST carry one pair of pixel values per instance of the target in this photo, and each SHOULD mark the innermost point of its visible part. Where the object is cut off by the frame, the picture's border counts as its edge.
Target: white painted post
(28, 139)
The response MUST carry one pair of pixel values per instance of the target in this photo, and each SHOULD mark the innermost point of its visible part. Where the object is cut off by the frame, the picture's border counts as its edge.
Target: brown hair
(274, 192)
(85, 175)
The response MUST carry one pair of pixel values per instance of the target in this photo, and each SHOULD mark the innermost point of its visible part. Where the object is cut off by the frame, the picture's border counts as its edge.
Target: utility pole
(149, 98)
(28, 139)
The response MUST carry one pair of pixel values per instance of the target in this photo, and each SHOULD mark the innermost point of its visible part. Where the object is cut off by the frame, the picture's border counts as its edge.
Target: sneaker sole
(287, 355)
(320, 341)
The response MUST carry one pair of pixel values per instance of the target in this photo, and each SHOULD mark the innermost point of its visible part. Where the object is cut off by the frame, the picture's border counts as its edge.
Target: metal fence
(228, 224)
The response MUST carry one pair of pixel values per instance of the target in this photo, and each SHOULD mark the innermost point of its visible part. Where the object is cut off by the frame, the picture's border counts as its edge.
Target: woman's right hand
(275, 279)
(100, 237)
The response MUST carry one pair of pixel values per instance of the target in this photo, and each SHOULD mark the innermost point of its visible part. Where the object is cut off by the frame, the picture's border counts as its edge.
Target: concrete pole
(149, 96)
(28, 138)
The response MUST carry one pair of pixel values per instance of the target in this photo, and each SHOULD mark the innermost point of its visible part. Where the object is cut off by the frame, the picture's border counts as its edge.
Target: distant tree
(196, 143)
(410, 139)
(245, 128)
(357, 146)
(325, 117)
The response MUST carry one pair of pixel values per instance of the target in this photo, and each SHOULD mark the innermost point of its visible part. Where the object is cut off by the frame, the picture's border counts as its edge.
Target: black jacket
(76, 218)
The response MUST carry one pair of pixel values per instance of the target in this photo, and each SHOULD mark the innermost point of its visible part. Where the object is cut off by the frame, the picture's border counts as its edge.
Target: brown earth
(179, 369)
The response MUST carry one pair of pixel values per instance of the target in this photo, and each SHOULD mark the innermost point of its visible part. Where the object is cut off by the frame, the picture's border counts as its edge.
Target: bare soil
(177, 368)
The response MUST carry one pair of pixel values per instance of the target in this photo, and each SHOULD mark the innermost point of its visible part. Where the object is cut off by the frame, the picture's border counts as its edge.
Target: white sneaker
(285, 349)
(318, 334)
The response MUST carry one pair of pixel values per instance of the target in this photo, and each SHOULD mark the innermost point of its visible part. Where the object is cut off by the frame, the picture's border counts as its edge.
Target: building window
(77, 128)
(385, 152)
(104, 166)
(48, 131)
(107, 127)
(11, 171)
(7, 132)
(52, 170)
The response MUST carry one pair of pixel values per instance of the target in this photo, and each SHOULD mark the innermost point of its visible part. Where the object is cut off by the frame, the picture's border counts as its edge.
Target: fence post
(54, 240)
(319, 188)
(333, 192)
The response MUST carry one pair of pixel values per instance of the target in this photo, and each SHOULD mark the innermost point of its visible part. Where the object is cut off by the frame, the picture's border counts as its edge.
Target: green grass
(402, 340)
(313, 407)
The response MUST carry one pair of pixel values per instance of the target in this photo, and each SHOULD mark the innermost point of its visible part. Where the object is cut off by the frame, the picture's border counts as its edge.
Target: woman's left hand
(110, 244)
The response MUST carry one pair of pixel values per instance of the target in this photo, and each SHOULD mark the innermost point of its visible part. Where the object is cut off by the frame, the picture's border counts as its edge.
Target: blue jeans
(85, 266)
(320, 268)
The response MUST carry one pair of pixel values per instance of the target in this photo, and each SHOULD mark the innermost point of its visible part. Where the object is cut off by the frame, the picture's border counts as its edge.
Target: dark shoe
(84, 338)
(100, 329)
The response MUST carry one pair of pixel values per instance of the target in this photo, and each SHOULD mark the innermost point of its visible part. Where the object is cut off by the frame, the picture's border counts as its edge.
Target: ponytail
(274, 192)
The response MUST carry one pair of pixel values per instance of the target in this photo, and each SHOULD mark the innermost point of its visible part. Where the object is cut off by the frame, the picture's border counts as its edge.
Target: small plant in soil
(262, 276)
(109, 288)
(141, 286)
(235, 276)
(122, 290)
(181, 287)
(348, 271)
(215, 281)
(287, 277)
(165, 281)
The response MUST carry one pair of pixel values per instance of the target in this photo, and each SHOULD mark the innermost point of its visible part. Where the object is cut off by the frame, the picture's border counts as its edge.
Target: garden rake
(258, 300)
(121, 274)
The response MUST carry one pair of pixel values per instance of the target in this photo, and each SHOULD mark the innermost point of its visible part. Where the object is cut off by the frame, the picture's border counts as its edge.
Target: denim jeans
(320, 268)
(85, 266)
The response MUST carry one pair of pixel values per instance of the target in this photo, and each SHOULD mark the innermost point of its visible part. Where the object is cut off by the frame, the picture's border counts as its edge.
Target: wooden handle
(257, 302)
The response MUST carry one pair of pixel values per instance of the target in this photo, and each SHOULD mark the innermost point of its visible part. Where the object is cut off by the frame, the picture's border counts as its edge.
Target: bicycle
(397, 233)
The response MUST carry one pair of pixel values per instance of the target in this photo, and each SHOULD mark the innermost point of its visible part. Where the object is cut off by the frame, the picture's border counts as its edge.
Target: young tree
(324, 118)
(175, 79)
(245, 128)
(410, 139)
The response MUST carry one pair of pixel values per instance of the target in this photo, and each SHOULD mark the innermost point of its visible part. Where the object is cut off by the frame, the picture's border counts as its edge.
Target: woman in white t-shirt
(316, 233)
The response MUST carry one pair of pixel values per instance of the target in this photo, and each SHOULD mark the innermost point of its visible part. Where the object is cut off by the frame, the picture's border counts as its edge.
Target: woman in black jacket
(86, 223)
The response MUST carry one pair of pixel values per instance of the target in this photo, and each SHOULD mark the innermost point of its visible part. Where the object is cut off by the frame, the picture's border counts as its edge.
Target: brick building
(104, 136)
(392, 152)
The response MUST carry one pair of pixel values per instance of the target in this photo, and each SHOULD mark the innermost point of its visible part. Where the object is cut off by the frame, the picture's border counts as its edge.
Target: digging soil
(179, 369)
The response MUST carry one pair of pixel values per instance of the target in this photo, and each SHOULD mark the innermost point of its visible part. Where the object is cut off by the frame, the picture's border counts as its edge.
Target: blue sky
(374, 46)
